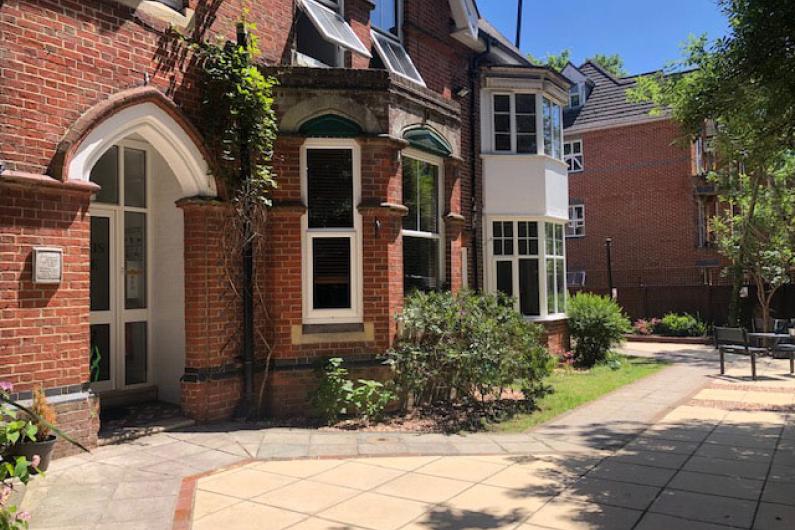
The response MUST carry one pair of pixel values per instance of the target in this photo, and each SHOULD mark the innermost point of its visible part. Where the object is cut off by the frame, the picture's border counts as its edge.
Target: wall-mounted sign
(47, 265)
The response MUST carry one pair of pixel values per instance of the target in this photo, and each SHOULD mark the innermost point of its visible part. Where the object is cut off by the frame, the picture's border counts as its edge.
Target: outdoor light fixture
(462, 92)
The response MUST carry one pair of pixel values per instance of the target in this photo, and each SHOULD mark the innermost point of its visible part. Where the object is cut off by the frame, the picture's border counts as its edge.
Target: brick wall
(637, 189)
(44, 331)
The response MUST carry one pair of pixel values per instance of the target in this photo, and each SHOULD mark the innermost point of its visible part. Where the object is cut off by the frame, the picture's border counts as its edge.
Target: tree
(756, 230)
(612, 63)
(744, 83)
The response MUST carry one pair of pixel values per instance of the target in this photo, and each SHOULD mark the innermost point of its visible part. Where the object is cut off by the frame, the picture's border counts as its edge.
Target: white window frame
(302, 59)
(549, 254)
(543, 147)
(577, 159)
(440, 236)
(399, 40)
(491, 261)
(354, 314)
(489, 142)
(577, 89)
(576, 225)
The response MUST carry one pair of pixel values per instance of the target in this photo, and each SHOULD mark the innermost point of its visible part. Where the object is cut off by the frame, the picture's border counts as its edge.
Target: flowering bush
(12, 430)
(645, 327)
(17, 424)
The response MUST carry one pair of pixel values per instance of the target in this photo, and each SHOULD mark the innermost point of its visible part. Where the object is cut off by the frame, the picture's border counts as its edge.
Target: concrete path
(578, 471)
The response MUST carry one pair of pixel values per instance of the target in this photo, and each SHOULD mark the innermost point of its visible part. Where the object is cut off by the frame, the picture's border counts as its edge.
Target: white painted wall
(525, 185)
(168, 287)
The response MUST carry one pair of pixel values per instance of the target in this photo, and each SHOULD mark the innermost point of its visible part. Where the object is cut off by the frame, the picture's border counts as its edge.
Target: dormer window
(576, 96)
(322, 33)
(385, 23)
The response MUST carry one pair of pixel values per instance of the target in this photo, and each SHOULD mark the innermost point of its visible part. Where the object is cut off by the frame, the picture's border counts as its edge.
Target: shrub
(684, 325)
(596, 324)
(332, 397)
(337, 395)
(464, 347)
(44, 414)
(645, 327)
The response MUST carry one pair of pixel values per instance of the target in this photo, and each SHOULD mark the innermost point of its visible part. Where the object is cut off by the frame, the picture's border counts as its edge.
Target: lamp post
(608, 250)
(519, 24)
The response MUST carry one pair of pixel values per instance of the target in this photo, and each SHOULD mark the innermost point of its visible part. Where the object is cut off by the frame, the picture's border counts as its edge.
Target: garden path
(673, 450)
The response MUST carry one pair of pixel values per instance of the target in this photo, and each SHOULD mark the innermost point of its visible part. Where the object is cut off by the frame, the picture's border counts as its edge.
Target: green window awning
(428, 140)
(330, 126)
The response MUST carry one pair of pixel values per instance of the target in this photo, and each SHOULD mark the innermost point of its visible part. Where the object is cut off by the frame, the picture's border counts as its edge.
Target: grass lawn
(575, 387)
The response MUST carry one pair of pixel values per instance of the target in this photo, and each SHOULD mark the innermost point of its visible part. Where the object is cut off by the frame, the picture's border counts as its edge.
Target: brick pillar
(454, 223)
(382, 213)
(212, 383)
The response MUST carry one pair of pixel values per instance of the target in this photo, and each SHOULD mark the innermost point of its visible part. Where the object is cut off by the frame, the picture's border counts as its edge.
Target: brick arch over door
(147, 112)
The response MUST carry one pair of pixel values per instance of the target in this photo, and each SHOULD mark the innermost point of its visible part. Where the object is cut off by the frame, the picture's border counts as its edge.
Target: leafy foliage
(558, 61)
(465, 346)
(15, 428)
(744, 83)
(239, 119)
(338, 396)
(597, 324)
(684, 325)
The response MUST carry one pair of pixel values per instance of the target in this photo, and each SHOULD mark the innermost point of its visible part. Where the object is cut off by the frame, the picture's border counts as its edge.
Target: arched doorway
(144, 162)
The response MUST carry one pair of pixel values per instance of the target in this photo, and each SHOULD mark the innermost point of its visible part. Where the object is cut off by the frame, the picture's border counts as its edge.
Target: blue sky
(647, 34)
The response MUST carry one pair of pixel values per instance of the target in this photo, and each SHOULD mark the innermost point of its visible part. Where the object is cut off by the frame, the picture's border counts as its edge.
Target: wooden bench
(735, 340)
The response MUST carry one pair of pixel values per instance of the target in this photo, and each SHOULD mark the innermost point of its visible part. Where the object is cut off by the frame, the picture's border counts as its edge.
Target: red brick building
(114, 266)
(634, 178)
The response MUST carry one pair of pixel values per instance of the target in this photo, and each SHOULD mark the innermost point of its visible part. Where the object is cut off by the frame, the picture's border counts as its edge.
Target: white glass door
(120, 255)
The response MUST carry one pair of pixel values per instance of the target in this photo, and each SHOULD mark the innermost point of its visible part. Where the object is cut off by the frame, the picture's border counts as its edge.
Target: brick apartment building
(417, 149)
(634, 180)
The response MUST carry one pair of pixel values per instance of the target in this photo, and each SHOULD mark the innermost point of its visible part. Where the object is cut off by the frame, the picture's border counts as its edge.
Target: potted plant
(42, 441)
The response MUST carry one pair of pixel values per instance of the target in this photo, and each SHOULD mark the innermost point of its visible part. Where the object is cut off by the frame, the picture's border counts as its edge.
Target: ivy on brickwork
(238, 117)
(239, 124)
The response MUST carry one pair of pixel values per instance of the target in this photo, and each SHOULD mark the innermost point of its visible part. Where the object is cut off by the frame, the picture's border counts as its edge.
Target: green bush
(684, 325)
(338, 396)
(596, 324)
(464, 347)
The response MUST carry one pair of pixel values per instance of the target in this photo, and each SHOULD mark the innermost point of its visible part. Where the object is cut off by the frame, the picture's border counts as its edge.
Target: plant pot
(28, 449)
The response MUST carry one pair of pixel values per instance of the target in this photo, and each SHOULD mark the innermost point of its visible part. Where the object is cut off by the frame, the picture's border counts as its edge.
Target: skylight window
(395, 57)
(332, 27)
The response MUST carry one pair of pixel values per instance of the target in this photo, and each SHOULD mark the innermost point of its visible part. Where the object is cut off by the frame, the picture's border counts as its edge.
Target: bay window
(514, 123)
(332, 231)
(526, 266)
(552, 129)
(556, 269)
(422, 227)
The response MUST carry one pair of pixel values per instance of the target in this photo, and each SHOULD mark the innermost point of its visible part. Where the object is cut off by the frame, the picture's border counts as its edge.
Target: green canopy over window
(330, 126)
(428, 140)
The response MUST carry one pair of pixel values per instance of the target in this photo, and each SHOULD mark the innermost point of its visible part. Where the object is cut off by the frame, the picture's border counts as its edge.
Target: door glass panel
(134, 260)
(561, 285)
(134, 353)
(99, 356)
(106, 173)
(100, 264)
(134, 177)
(528, 287)
(331, 272)
(505, 277)
(551, 291)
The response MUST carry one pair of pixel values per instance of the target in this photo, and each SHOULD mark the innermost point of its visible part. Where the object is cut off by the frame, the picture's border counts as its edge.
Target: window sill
(528, 156)
(332, 333)
(181, 21)
(549, 318)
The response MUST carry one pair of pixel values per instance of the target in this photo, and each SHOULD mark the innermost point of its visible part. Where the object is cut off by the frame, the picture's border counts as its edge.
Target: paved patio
(681, 449)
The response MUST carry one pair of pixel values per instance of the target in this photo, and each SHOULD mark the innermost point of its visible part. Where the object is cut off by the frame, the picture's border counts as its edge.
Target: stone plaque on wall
(47, 265)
